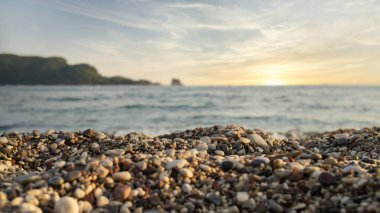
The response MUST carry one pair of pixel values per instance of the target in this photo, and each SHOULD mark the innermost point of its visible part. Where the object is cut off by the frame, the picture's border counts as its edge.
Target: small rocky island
(176, 82)
(33, 70)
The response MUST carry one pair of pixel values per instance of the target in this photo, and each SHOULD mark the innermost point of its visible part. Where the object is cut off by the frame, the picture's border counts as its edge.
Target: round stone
(241, 197)
(102, 201)
(226, 165)
(205, 167)
(186, 188)
(205, 139)
(326, 179)
(28, 207)
(36, 133)
(66, 204)
(224, 148)
(121, 192)
(122, 176)
(202, 146)
(55, 181)
(95, 146)
(59, 164)
(186, 172)
(3, 140)
(219, 152)
(85, 206)
(244, 140)
(107, 163)
(341, 141)
(213, 198)
(79, 193)
(60, 141)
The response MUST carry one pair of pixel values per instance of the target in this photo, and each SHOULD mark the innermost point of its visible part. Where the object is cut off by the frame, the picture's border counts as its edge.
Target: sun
(274, 82)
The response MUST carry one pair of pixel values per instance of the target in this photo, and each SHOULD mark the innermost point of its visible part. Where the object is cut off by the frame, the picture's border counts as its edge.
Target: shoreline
(220, 169)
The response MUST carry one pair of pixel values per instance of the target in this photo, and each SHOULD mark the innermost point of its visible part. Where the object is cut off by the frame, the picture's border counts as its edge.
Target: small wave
(4, 128)
(168, 107)
(64, 99)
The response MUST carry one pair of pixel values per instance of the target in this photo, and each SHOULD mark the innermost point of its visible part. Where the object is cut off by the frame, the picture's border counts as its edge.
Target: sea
(157, 110)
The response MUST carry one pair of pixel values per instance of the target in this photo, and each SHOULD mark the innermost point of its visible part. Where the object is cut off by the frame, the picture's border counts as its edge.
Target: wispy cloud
(228, 40)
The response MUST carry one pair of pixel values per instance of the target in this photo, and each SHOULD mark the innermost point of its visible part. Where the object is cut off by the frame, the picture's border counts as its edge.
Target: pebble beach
(227, 169)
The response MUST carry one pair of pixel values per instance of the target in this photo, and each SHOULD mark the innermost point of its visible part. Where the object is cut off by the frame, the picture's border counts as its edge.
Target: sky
(242, 42)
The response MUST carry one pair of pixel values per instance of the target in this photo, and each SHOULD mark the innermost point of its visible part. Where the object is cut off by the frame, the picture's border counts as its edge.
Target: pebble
(175, 173)
(205, 167)
(273, 205)
(56, 180)
(219, 152)
(296, 166)
(258, 141)
(180, 163)
(107, 163)
(326, 179)
(3, 140)
(341, 141)
(85, 206)
(259, 160)
(32, 200)
(72, 175)
(115, 152)
(29, 208)
(95, 146)
(59, 142)
(202, 146)
(121, 192)
(353, 168)
(241, 197)
(331, 161)
(26, 179)
(186, 172)
(102, 201)
(59, 164)
(186, 188)
(122, 176)
(226, 165)
(206, 139)
(66, 204)
(17, 201)
(244, 140)
(213, 198)
(79, 193)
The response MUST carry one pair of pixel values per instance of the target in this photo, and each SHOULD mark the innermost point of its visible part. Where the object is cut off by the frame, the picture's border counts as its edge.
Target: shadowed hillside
(31, 70)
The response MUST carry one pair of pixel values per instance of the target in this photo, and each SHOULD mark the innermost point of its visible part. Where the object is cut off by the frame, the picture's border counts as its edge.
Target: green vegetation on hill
(31, 70)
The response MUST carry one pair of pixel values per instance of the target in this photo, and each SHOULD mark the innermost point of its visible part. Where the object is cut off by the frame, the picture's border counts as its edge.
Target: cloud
(227, 40)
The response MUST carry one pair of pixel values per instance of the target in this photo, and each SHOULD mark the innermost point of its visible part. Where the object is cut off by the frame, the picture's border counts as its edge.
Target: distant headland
(33, 70)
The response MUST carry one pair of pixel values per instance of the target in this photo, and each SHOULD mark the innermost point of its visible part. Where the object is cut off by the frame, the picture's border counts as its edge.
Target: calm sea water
(158, 110)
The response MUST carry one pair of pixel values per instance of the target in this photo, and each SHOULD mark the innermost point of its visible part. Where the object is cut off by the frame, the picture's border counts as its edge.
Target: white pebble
(66, 204)
(241, 197)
